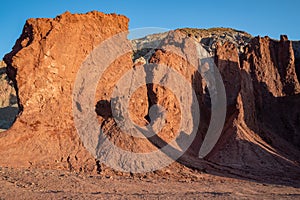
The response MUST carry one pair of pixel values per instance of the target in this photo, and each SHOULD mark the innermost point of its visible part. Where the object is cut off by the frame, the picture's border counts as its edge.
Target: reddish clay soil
(52, 184)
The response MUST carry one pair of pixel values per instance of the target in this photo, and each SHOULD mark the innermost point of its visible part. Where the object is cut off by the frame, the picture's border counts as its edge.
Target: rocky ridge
(208, 38)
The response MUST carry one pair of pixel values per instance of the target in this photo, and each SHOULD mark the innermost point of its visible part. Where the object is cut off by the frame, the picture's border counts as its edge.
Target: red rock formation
(259, 140)
(261, 133)
(43, 64)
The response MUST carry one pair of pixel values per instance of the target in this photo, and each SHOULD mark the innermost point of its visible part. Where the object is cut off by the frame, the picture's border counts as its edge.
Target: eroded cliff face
(261, 135)
(43, 65)
(272, 65)
(265, 129)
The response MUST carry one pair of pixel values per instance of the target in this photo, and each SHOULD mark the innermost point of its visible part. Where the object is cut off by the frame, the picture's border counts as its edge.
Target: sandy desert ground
(51, 184)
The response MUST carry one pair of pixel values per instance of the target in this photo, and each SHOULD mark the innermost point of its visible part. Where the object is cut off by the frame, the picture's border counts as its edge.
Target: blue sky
(256, 17)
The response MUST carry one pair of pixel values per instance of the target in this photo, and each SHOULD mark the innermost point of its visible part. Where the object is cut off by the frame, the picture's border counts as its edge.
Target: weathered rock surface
(296, 48)
(261, 135)
(43, 65)
(8, 100)
(210, 38)
(261, 138)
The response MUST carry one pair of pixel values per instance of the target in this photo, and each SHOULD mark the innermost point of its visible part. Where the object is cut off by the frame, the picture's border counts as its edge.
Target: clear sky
(259, 17)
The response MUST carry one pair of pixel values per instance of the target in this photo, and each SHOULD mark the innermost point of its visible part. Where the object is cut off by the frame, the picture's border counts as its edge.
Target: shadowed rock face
(261, 135)
(8, 100)
(265, 130)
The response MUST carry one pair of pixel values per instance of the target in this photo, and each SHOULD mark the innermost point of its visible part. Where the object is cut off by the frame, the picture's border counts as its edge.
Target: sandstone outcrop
(43, 66)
